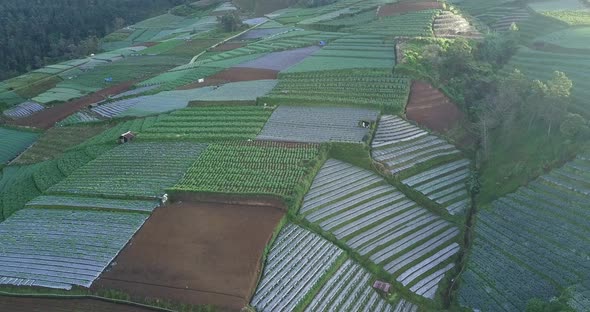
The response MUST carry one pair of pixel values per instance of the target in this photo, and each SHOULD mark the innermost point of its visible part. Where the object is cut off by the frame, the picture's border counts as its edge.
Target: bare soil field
(20, 304)
(431, 108)
(234, 74)
(197, 252)
(400, 8)
(46, 118)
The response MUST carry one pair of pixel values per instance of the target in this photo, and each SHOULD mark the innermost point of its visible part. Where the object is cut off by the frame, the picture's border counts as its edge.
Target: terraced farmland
(531, 242)
(111, 135)
(141, 171)
(243, 91)
(450, 25)
(347, 53)
(298, 261)
(56, 141)
(411, 24)
(317, 124)
(541, 65)
(441, 174)
(210, 123)
(14, 142)
(380, 223)
(251, 168)
(23, 110)
(73, 202)
(62, 248)
(359, 88)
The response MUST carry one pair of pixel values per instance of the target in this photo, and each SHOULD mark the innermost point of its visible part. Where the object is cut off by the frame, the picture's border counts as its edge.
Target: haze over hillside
(295, 155)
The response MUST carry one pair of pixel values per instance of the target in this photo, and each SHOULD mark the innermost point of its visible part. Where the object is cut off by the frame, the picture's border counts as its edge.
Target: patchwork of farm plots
(243, 91)
(435, 167)
(251, 168)
(212, 123)
(571, 38)
(411, 24)
(347, 53)
(111, 136)
(280, 60)
(572, 12)
(56, 141)
(297, 265)
(541, 65)
(383, 225)
(23, 110)
(141, 170)
(61, 248)
(361, 88)
(531, 242)
(14, 142)
(318, 124)
(19, 184)
(288, 41)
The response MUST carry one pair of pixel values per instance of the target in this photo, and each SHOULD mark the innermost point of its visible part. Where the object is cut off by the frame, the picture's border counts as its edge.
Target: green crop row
(251, 168)
(206, 124)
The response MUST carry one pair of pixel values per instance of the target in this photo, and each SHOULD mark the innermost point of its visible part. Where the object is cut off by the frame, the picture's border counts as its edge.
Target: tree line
(37, 33)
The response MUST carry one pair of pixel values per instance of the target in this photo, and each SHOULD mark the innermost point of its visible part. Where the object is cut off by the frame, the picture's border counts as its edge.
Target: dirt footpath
(196, 253)
(19, 304)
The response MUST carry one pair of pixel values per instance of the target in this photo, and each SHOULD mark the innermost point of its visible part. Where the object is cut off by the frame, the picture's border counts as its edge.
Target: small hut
(126, 137)
(383, 286)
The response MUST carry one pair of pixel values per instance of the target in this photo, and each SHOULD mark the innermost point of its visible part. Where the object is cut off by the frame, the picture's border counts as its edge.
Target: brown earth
(46, 118)
(20, 304)
(431, 108)
(228, 46)
(197, 252)
(405, 7)
(234, 75)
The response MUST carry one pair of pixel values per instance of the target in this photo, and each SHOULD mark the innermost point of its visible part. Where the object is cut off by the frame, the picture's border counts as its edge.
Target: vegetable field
(302, 265)
(412, 24)
(359, 88)
(141, 171)
(381, 224)
(450, 25)
(111, 135)
(429, 164)
(532, 242)
(23, 110)
(210, 123)
(61, 248)
(318, 124)
(56, 141)
(347, 53)
(251, 168)
(14, 142)
(280, 60)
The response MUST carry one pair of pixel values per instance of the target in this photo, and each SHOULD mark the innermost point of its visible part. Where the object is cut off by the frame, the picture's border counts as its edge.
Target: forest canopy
(35, 33)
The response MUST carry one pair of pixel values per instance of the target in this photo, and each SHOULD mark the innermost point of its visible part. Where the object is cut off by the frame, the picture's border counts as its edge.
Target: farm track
(179, 256)
(26, 304)
(45, 119)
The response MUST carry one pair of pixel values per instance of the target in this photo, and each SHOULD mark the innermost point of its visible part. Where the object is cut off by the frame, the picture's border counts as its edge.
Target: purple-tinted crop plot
(280, 60)
(263, 33)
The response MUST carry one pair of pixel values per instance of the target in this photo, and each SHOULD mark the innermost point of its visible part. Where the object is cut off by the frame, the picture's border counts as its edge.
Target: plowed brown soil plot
(197, 253)
(46, 118)
(399, 8)
(234, 75)
(18, 304)
(430, 107)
